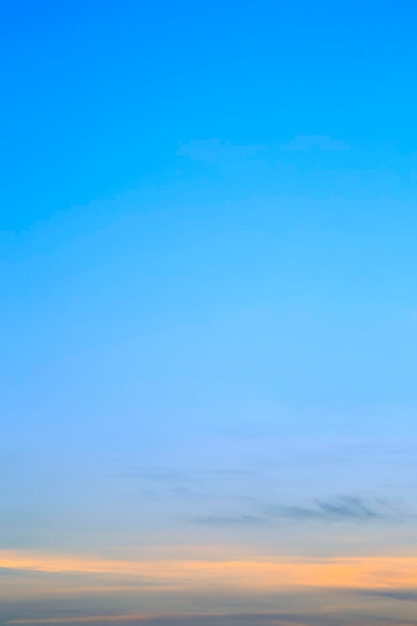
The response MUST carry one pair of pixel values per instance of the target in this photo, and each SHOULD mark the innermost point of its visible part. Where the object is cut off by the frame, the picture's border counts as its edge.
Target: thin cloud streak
(267, 619)
(228, 520)
(85, 619)
(407, 595)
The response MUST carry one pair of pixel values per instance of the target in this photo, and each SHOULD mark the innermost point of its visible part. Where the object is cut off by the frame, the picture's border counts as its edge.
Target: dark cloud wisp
(356, 509)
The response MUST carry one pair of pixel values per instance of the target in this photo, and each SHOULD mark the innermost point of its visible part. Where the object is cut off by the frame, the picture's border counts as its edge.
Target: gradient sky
(209, 314)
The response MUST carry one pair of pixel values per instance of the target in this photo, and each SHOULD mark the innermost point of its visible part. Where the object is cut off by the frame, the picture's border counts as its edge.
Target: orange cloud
(261, 574)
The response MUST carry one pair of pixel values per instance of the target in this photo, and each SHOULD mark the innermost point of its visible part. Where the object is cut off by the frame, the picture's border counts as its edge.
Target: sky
(208, 318)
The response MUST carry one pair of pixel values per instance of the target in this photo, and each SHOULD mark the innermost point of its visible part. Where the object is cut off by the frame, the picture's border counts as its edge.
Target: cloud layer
(249, 572)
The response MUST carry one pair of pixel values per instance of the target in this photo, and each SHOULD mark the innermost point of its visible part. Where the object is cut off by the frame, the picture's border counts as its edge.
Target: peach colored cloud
(261, 574)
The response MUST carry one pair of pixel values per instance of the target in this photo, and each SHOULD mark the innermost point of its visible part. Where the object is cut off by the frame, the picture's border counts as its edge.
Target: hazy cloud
(165, 475)
(215, 151)
(407, 595)
(238, 519)
(259, 619)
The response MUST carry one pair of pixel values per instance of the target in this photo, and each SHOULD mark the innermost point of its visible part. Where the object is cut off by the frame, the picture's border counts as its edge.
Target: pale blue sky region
(208, 277)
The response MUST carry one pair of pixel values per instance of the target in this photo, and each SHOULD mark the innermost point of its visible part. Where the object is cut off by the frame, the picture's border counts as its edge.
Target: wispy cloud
(357, 509)
(315, 142)
(342, 508)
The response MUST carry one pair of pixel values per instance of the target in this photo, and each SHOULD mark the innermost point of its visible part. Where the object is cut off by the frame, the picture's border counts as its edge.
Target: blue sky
(209, 318)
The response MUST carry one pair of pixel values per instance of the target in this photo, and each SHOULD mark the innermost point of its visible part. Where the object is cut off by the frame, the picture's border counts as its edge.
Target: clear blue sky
(208, 276)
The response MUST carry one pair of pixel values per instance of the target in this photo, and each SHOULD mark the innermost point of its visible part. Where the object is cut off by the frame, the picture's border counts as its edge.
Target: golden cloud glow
(262, 574)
